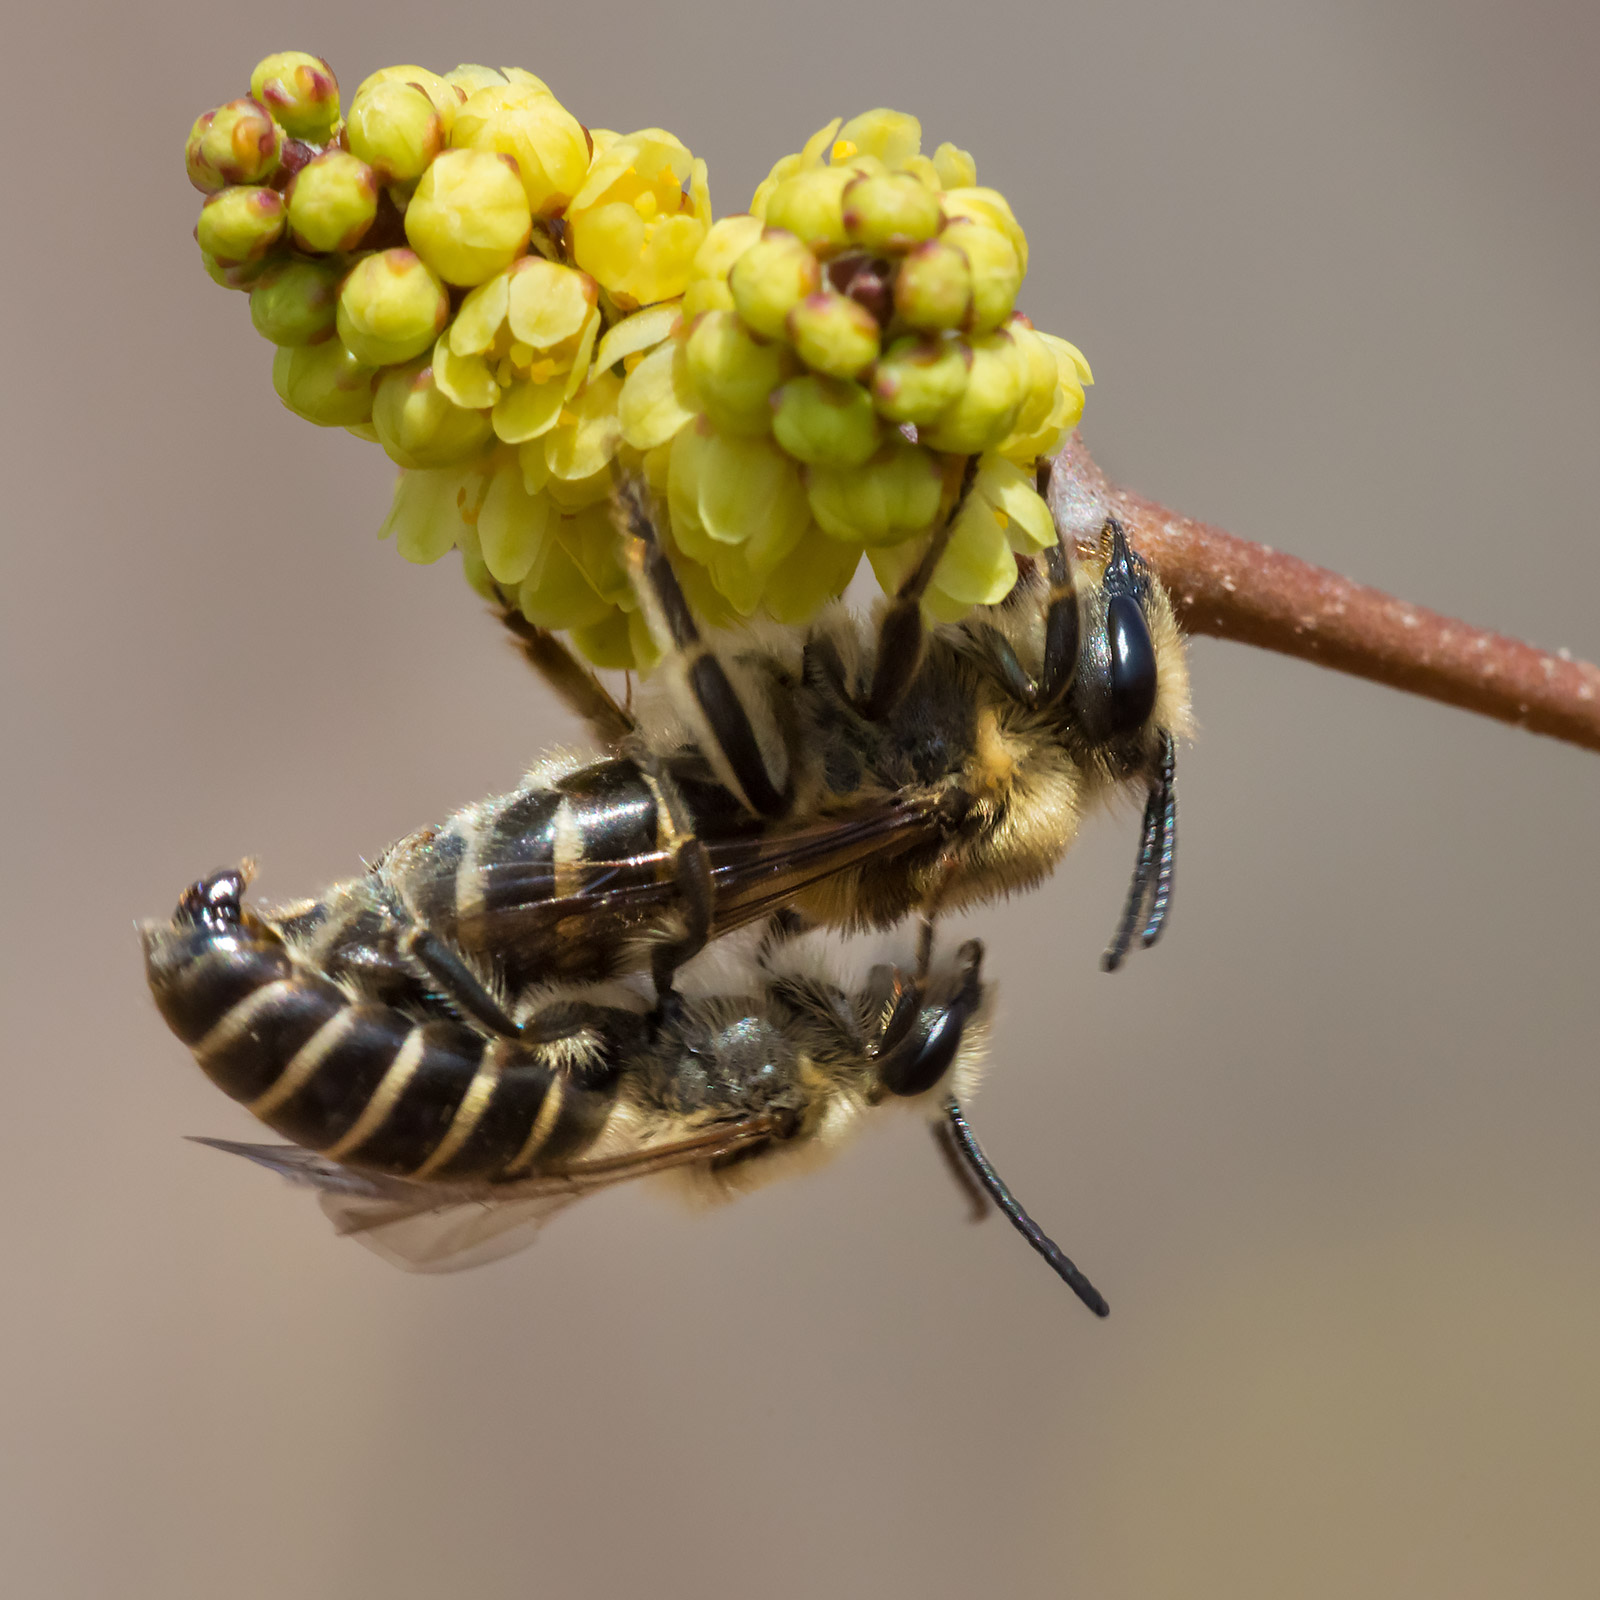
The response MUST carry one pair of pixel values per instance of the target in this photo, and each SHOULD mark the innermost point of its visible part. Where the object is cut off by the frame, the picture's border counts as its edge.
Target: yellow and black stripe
(361, 1082)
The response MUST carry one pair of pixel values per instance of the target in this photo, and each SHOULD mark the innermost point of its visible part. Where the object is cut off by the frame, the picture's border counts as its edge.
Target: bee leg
(572, 683)
(714, 703)
(967, 1148)
(455, 980)
(691, 874)
(900, 633)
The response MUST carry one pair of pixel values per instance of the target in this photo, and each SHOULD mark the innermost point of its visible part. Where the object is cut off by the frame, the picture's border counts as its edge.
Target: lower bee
(441, 1144)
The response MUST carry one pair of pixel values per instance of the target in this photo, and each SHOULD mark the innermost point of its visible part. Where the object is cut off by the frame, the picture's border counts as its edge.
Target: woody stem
(1233, 589)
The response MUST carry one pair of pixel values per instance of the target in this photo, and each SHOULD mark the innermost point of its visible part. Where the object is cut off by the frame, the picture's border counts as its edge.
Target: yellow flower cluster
(516, 308)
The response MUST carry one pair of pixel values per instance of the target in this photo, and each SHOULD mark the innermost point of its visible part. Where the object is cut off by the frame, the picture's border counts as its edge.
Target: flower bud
(294, 302)
(236, 143)
(770, 278)
(888, 136)
(394, 128)
(956, 168)
(933, 289)
(891, 212)
(332, 202)
(1036, 366)
(996, 272)
(810, 205)
(532, 127)
(993, 210)
(391, 308)
(825, 421)
(917, 380)
(300, 91)
(469, 216)
(444, 97)
(708, 273)
(238, 225)
(733, 372)
(834, 334)
(242, 275)
(419, 427)
(891, 497)
(323, 383)
(988, 405)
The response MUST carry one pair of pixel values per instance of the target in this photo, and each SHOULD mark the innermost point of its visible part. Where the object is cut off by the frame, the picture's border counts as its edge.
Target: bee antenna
(967, 1147)
(1167, 848)
(1152, 872)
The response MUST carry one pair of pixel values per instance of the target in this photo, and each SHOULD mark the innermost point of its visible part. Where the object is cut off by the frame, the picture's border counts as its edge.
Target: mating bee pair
(457, 1041)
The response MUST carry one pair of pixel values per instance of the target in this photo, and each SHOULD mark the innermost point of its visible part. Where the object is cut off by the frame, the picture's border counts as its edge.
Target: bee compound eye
(924, 1057)
(213, 901)
(1132, 664)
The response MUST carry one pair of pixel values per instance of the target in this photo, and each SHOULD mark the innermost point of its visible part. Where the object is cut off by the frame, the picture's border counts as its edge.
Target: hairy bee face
(1115, 686)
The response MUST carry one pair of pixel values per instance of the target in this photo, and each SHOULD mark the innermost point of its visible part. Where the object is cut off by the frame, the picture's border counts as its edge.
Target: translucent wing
(429, 1227)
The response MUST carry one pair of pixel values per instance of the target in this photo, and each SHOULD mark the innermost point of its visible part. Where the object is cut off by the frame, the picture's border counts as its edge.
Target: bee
(441, 1144)
(849, 773)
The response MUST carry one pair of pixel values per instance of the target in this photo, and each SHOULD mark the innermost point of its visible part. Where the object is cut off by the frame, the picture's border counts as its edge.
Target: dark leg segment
(568, 678)
(726, 718)
(1061, 1264)
(455, 980)
(900, 633)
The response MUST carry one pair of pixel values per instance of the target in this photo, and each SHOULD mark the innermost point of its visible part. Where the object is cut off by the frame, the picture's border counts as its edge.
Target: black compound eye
(213, 902)
(1132, 663)
(924, 1058)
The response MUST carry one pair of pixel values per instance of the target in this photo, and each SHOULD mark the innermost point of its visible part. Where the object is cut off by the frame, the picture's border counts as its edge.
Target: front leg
(572, 683)
(706, 691)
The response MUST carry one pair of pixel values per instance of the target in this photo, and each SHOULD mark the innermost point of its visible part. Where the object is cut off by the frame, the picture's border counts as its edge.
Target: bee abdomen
(359, 1082)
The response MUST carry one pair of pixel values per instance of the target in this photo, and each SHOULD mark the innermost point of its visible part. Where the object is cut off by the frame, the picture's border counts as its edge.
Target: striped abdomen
(361, 1083)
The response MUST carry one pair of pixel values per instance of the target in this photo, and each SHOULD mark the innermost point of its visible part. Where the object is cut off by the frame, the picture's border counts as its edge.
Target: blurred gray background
(1330, 1150)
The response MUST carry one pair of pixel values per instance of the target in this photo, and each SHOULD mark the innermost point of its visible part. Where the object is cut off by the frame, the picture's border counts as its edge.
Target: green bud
(891, 497)
(825, 421)
(933, 288)
(989, 403)
(469, 216)
(770, 278)
(810, 205)
(834, 334)
(242, 276)
(293, 302)
(444, 97)
(332, 201)
(236, 143)
(300, 91)
(956, 168)
(394, 128)
(420, 427)
(996, 271)
(734, 373)
(391, 308)
(891, 211)
(323, 383)
(239, 225)
(916, 380)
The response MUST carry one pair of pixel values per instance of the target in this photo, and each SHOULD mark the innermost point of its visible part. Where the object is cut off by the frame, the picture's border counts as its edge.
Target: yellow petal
(466, 380)
(580, 357)
(535, 470)
(639, 332)
(816, 570)
(573, 494)
(425, 516)
(977, 568)
(526, 410)
(655, 402)
(591, 539)
(547, 303)
(1070, 355)
(581, 447)
(512, 526)
(555, 593)
(749, 485)
(1006, 488)
(480, 317)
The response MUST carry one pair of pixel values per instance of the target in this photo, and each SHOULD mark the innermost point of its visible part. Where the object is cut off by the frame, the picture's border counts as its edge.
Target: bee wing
(427, 1227)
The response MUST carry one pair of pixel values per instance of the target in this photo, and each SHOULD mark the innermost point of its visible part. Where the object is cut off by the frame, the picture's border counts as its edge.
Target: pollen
(843, 149)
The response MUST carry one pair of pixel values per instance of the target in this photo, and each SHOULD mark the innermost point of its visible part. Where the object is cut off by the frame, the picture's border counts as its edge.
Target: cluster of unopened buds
(518, 308)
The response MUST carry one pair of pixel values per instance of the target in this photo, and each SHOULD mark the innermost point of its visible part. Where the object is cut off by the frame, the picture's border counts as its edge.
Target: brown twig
(1233, 589)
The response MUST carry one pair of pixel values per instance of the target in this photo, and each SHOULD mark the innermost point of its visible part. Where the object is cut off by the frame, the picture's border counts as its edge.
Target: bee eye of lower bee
(923, 1059)
(1133, 664)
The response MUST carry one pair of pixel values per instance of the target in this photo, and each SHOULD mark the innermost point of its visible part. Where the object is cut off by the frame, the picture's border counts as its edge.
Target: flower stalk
(1230, 588)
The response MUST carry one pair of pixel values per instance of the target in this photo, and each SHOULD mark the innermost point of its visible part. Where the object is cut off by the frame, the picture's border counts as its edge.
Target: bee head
(924, 1028)
(1114, 688)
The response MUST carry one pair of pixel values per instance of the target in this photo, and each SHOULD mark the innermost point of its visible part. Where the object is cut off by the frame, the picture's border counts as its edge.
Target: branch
(1232, 589)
